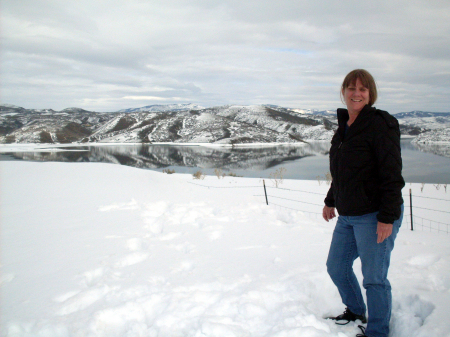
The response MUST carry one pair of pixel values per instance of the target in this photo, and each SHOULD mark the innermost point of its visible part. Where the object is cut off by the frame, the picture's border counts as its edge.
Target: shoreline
(35, 147)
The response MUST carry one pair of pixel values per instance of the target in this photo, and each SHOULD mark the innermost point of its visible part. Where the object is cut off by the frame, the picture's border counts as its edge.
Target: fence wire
(419, 196)
(303, 202)
(206, 186)
(417, 221)
(292, 190)
(317, 215)
(441, 227)
(430, 209)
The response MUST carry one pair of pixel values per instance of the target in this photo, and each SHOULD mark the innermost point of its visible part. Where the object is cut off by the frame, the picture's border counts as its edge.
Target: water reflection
(162, 156)
(437, 149)
(421, 162)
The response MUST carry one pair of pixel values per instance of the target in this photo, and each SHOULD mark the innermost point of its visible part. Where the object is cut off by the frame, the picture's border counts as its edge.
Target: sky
(107, 55)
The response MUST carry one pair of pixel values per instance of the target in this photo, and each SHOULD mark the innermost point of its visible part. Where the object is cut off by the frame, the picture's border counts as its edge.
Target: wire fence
(428, 225)
(303, 204)
(425, 223)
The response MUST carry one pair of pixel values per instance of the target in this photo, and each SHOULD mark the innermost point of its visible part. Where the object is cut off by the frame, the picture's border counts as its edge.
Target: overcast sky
(106, 55)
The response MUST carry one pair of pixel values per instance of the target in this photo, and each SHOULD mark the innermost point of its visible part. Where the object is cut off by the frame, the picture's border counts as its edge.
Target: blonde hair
(367, 81)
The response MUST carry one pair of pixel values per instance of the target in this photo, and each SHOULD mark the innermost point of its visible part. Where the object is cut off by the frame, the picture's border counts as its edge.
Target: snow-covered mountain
(327, 113)
(19, 125)
(421, 114)
(164, 107)
(225, 124)
(434, 136)
(427, 126)
(188, 123)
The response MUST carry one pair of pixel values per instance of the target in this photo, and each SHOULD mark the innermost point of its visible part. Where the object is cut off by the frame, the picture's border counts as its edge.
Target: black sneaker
(363, 330)
(348, 317)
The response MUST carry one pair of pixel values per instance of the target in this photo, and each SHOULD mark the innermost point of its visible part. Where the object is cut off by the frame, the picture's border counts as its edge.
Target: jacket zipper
(337, 171)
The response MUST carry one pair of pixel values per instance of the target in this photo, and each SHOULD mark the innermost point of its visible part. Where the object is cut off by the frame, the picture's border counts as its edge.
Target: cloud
(98, 54)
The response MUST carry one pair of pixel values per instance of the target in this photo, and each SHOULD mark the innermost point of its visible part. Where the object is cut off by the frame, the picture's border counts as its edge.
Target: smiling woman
(358, 90)
(366, 81)
(366, 166)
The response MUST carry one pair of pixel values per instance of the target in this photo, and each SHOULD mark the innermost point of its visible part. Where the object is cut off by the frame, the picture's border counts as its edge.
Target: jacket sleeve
(389, 165)
(329, 199)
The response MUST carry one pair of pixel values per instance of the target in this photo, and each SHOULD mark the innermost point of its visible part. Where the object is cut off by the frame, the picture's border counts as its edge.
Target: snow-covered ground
(108, 250)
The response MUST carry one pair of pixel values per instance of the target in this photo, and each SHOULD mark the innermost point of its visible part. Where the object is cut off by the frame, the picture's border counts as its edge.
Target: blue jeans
(353, 237)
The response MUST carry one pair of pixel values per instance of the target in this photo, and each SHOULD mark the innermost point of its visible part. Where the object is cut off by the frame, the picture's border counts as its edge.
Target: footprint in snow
(6, 278)
(134, 244)
(91, 277)
(169, 236)
(131, 259)
(185, 247)
(81, 300)
(409, 314)
(153, 216)
(185, 266)
(424, 260)
(64, 297)
(132, 205)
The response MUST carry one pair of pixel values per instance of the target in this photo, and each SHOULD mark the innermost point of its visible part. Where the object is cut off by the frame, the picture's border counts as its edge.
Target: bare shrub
(328, 178)
(219, 173)
(198, 175)
(277, 176)
(319, 179)
(168, 171)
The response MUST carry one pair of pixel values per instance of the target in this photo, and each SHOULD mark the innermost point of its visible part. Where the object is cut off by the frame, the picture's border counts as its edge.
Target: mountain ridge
(190, 123)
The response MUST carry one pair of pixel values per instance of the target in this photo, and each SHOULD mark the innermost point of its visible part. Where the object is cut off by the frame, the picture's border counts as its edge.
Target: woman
(366, 166)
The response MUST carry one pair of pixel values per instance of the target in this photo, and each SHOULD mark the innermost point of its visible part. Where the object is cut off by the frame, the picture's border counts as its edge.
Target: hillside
(188, 123)
(223, 125)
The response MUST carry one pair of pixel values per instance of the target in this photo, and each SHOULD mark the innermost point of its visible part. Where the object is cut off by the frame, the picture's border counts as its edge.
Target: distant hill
(421, 114)
(166, 107)
(178, 123)
(190, 123)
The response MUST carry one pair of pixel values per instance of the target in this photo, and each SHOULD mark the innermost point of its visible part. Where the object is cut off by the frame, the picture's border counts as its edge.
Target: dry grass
(277, 176)
(198, 175)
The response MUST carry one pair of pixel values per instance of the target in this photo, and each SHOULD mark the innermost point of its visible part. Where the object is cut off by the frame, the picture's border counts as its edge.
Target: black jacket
(366, 166)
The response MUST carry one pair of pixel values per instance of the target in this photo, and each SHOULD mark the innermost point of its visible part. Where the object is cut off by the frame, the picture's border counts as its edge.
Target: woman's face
(356, 96)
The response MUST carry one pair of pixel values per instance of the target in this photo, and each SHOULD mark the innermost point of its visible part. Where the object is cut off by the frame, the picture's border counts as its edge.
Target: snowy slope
(177, 124)
(428, 126)
(109, 250)
(303, 126)
(165, 107)
(437, 136)
(187, 123)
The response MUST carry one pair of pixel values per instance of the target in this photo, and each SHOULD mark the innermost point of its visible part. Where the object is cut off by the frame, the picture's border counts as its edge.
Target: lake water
(421, 163)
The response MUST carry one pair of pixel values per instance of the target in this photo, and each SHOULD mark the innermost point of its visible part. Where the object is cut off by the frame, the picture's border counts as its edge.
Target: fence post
(265, 192)
(410, 206)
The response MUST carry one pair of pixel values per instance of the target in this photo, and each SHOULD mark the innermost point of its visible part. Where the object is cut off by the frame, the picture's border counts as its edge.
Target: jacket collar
(343, 116)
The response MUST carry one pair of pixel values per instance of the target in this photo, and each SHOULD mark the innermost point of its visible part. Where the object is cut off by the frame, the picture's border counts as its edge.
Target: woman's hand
(328, 213)
(384, 230)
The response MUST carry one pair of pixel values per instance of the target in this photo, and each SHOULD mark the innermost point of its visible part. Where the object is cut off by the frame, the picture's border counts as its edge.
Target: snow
(9, 105)
(31, 147)
(91, 249)
(165, 107)
(439, 136)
